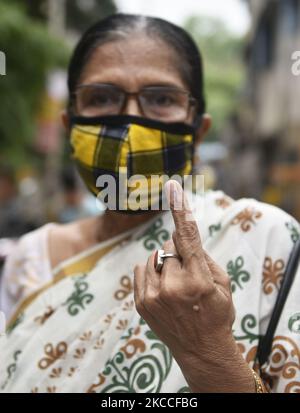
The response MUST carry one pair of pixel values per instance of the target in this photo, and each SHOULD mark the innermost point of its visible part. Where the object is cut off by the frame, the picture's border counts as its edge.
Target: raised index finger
(186, 236)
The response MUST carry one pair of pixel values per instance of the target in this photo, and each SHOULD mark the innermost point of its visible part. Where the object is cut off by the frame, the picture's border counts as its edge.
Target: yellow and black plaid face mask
(126, 149)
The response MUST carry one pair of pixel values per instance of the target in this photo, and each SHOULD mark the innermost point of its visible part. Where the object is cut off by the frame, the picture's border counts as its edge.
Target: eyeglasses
(155, 102)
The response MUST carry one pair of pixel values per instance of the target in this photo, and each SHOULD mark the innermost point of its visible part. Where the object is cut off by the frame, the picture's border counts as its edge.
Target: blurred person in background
(77, 202)
(90, 309)
(13, 223)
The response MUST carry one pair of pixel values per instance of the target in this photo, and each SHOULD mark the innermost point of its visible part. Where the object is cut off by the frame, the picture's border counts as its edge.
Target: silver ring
(159, 258)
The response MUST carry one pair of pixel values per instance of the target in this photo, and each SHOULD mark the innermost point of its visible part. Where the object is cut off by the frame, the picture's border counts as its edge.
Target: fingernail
(168, 190)
(174, 194)
(177, 196)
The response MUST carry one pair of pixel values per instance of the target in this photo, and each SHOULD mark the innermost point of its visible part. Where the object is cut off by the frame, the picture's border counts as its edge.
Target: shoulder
(29, 253)
(268, 230)
(270, 214)
(26, 268)
(67, 240)
(31, 245)
(251, 213)
(265, 218)
(261, 226)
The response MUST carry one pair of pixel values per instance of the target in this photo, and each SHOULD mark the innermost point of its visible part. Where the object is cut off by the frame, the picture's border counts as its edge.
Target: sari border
(60, 275)
(107, 246)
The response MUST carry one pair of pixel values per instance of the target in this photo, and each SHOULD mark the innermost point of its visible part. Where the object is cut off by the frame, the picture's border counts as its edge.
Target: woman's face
(134, 63)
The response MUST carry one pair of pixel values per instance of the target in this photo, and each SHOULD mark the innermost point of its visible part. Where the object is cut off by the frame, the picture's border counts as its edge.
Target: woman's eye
(159, 99)
(100, 100)
(103, 99)
(163, 100)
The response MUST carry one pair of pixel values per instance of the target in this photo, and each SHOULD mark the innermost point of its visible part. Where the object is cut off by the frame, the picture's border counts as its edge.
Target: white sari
(82, 333)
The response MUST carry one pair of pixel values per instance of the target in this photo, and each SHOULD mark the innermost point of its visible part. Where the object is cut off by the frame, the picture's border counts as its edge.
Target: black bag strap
(265, 342)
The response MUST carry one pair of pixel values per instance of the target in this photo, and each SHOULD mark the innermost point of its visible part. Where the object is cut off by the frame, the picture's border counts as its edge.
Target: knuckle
(151, 298)
(180, 214)
(206, 289)
(189, 232)
(168, 245)
(165, 294)
(169, 294)
(139, 269)
(194, 257)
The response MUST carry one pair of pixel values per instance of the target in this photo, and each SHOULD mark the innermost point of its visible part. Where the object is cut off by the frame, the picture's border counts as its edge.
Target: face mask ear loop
(198, 121)
(196, 125)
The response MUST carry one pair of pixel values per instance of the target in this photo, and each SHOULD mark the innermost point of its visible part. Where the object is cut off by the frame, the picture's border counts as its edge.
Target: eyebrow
(161, 84)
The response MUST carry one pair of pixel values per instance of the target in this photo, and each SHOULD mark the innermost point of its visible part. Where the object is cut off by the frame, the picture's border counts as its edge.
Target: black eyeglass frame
(191, 100)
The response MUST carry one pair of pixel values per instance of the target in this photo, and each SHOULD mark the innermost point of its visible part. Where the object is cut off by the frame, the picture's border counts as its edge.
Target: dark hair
(118, 26)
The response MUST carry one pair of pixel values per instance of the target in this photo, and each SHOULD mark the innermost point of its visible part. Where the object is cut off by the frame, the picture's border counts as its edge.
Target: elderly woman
(92, 311)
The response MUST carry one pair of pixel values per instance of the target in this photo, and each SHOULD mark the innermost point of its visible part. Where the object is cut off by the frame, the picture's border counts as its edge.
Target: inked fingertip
(169, 190)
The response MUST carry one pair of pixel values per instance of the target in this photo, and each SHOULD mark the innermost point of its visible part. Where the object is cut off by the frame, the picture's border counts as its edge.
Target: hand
(201, 341)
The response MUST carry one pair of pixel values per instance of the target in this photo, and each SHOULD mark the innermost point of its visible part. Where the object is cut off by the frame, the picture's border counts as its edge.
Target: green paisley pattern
(294, 323)
(79, 298)
(237, 274)
(155, 235)
(294, 231)
(11, 368)
(248, 323)
(214, 228)
(146, 374)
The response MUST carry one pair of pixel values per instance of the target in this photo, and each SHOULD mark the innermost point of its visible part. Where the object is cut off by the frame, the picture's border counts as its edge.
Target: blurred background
(253, 149)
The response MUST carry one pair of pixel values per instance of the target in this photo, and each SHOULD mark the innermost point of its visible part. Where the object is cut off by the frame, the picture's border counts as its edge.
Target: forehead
(134, 62)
